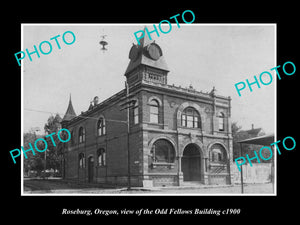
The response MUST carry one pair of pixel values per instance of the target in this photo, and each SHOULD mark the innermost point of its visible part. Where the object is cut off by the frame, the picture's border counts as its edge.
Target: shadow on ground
(59, 184)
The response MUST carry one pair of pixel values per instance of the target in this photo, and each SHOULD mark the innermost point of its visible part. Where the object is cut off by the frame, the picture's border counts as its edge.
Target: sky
(201, 55)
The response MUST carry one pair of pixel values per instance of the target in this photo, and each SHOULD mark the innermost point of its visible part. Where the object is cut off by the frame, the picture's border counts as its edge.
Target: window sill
(155, 125)
(162, 164)
(218, 163)
(134, 124)
(221, 132)
(104, 166)
(190, 128)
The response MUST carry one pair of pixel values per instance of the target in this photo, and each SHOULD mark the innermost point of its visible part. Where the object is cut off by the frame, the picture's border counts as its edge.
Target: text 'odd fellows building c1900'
(175, 134)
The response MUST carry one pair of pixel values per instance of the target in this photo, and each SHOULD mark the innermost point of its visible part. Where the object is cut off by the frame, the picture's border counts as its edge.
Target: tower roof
(139, 55)
(70, 113)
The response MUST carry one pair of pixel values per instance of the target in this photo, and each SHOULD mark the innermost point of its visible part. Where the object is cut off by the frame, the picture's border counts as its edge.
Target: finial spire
(70, 113)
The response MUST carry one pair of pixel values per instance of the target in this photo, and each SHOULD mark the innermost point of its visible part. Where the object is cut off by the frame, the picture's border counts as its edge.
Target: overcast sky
(204, 55)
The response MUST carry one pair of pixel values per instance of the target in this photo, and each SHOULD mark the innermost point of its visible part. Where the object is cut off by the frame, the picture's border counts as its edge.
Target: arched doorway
(90, 169)
(191, 163)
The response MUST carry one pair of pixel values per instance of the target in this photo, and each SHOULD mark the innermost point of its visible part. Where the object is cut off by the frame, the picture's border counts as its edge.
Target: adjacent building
(248, 149)
(173, 135)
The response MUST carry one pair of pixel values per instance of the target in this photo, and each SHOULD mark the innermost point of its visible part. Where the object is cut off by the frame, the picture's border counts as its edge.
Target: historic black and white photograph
(129, 109)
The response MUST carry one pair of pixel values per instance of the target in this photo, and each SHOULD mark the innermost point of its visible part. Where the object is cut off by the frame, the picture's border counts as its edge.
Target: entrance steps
(191, 184)
(199, 184)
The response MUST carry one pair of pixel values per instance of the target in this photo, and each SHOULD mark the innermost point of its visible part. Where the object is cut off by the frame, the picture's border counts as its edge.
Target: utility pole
(242, 182)
(45, 165)
(128, 134)
(128, 104)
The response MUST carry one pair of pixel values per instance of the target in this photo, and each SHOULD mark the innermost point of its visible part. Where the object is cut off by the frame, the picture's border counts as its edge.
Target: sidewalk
(61, 187)
(209, 189)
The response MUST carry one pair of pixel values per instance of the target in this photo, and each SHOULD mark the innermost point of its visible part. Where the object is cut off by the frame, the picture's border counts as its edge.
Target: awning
(261, 140)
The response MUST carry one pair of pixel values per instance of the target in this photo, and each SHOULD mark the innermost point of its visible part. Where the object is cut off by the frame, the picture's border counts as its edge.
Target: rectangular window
(81, 160)
(100, 160)
(221, 124)
(183, 120)
(104, 159)
(136, 115)
(101, 157)
(153, 118)
(196, 122)
(189, 122)
(153, 110)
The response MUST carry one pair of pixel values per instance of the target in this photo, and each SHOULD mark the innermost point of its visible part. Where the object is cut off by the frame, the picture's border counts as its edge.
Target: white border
(153, 194)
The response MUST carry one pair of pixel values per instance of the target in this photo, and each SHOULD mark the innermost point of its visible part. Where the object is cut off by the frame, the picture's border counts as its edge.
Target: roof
(253, 132)
(108, 102)
(142, 58)
(261, 140)
(70, 113)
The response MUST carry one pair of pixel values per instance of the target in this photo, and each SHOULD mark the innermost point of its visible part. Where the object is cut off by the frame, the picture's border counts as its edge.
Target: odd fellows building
(176, 135)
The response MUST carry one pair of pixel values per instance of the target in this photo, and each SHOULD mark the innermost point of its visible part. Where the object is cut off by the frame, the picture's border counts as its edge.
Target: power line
(168, 117)
(87, 117)
(34, 110)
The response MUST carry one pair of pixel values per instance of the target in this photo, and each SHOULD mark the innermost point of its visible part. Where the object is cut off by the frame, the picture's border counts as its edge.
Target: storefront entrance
(191, 163)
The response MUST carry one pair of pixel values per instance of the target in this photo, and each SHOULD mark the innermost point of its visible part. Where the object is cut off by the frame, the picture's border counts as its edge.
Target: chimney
(252, 126)
(96, 100)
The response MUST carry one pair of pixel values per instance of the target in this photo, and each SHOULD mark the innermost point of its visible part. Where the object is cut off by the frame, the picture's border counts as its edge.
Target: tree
(53, 157)
(33, 162)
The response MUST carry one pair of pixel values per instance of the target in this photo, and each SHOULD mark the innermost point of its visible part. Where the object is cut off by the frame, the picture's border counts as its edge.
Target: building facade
(173, 135)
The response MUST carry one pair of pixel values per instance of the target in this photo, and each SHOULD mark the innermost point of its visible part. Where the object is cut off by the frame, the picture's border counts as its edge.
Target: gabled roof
(253, 132)
(262, 140)
(70, 113)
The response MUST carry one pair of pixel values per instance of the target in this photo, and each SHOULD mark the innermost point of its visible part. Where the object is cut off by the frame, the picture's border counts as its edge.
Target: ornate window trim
(81, 135)
(81, 160)
(101, 157)
(185, 105)
(221, 121)
(101, 126)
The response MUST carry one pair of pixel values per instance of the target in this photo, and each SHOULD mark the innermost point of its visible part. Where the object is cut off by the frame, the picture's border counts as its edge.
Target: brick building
(176, 134)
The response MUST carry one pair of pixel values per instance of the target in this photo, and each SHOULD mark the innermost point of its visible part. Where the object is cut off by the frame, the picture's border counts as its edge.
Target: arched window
(163, 152)
(81, 135)
(190, 118)
(101, 127)
(217, 153)
(81, 160)
(101, 157)
(154, 106)
(136, 113)
(221, 121)
(72, 137)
